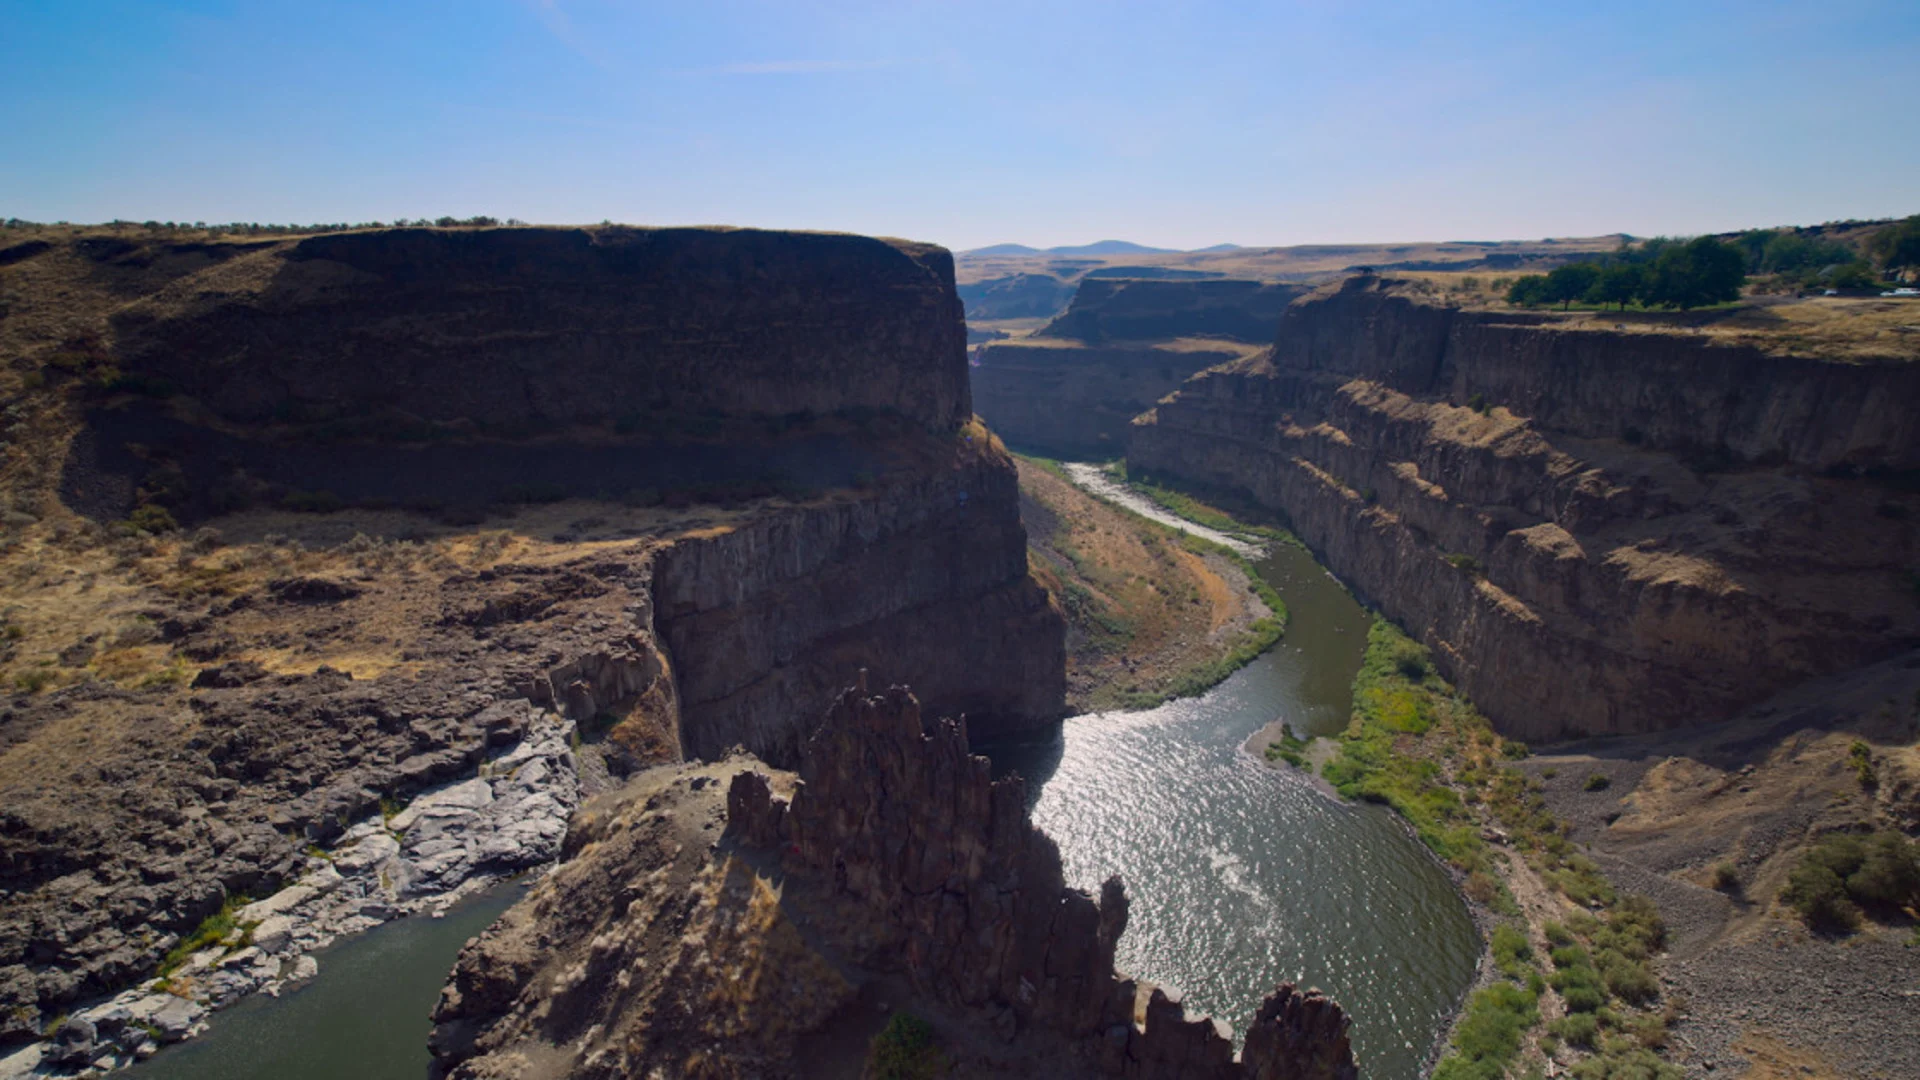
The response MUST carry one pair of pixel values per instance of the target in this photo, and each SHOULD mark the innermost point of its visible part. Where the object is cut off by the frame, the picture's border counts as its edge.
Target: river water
(1242, 876)
(364, 1017)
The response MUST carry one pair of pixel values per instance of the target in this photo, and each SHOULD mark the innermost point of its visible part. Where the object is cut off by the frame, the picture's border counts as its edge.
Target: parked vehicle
(1901, 292)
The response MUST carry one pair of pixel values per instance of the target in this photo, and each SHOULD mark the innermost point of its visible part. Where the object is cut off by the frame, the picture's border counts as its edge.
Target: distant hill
(1098, 247)
(1216, 248)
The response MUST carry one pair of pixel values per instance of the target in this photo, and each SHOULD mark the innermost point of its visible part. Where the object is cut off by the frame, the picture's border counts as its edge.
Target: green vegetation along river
(1241, 875)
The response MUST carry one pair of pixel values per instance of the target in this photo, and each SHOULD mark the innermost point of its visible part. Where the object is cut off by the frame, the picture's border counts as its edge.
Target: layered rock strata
(533, 328)
(1076, 401)
(893, 858)
(1597, 531)
(1110, 309)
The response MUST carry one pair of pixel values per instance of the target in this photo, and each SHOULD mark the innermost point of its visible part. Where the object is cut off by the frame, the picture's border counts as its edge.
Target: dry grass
(1851, 329)
(1141, 608)
(1309, 261)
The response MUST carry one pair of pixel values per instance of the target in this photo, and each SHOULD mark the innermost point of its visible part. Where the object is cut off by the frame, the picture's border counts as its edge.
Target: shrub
(1489, 1034)
(212, 930)
(1511, 951)
(32, 682)
(1597, 782)
(1579, 1029)
(1860, 756)
(905, 1050)
(1888, 874)
(1820, 896)
(151, 519)
(1629, 980)
(1625, 1062)
(1557, 935)
(1726, 877)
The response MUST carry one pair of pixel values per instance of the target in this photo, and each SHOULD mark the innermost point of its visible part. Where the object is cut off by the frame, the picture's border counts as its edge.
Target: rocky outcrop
(1109, 309)
(892, 856)
(1598, 532)
(1077, 401)
(529, 329)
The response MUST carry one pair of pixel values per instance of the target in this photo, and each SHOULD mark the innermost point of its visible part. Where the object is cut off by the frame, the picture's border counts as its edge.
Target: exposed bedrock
(926, 581)
(1630, 532)
(519, 328)
(892, 858)
(1107, 309)
(1078, 400)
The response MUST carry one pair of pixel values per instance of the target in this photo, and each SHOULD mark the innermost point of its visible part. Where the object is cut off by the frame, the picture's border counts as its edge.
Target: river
(1241, 875)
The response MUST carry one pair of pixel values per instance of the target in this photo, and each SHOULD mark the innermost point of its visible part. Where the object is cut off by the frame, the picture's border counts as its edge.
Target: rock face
(903, 862)
(513, 329)
(926, 582)
(1109, 309)
(1598, 532)
(1073, 387)
(1076, 400)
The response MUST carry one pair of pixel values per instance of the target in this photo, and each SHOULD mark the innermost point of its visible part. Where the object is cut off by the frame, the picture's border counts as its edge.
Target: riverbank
(1154, 613)
(444, 846)
(1567, 980)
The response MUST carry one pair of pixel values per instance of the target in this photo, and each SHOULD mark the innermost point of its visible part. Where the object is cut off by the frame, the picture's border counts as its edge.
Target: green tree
(1618, 283)
(1700, 272)
(1898, 245)
(1528, 291)
(1571, 282)
(1853, 275)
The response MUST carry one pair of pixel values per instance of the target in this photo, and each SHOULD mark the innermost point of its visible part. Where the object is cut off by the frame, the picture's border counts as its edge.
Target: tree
(1528, 290)
(1571, 282)
(1898, 245)
(1619, 283)
(1700, 272)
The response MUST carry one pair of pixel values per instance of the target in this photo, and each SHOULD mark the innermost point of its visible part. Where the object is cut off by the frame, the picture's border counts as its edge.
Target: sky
(1176, 124)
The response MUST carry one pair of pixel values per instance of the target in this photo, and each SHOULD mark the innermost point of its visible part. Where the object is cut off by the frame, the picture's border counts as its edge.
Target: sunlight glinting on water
(1242, 876)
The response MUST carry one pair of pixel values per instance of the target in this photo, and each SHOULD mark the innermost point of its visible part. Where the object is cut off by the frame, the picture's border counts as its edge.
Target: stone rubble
(446, 844)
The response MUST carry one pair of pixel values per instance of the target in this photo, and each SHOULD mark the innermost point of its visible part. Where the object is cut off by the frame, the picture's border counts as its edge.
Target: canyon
(366, 608)
(1597, 530)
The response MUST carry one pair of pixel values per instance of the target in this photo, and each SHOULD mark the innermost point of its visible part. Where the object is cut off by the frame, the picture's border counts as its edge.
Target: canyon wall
(1108, 309)
(914, 875)
(658, 585)
(518, 329)
(1076, 401)
(1072, 388)
(1597, 531)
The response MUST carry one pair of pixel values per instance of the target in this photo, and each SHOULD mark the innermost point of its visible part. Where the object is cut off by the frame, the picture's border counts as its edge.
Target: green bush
(1820, 896)
(1860, 756)
(1888, 874)
(1578, 1029)
(1597, 782)
(151, 519)
(1489, 1034)
(905, 1050)
(1512, 952)
(1625, 1062)
(212, 931)
(1629, 980)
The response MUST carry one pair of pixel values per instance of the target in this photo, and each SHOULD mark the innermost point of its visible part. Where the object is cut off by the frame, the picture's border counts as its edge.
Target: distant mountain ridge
(1098, 247)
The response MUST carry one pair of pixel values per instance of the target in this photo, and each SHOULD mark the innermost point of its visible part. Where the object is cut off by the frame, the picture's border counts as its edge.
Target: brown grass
(1141, 608)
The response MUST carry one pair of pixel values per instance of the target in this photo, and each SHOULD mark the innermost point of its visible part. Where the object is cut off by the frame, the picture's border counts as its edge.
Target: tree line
(1672, 273)
(1659, 273)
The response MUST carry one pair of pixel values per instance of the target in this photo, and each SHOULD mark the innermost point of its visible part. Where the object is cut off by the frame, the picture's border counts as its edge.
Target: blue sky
(969, 123)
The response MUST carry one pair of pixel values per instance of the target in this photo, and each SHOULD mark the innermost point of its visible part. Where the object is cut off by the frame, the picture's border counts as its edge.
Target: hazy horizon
(970, 126)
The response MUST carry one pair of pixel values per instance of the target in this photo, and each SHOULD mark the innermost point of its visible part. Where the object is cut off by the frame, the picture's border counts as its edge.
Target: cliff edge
(1597, 531)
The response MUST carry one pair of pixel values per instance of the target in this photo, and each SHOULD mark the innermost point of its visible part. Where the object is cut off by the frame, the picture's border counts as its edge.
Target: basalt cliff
(447, 500)
(1598, 530)
(1073, 386)
(729, 920)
